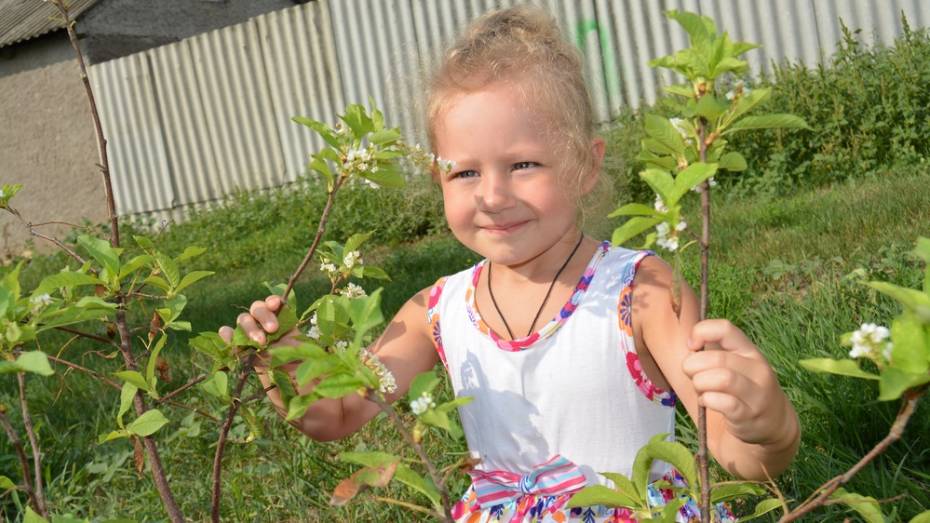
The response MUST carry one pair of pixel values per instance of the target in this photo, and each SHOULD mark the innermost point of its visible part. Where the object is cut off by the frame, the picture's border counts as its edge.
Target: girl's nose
(494, 192)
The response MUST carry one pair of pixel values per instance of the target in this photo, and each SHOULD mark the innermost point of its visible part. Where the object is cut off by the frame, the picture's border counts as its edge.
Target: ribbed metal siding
(191, 121)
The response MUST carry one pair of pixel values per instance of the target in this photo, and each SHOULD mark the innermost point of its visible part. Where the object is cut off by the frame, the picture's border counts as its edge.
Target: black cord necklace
(541, 305)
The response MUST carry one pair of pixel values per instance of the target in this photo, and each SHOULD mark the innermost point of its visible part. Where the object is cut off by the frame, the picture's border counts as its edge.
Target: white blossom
(328, 267)
(370, 183)
(445, 165)
(679, 125)
(386, 382)
(422, 404)
(41, 300)
(352, 258)
(342, 345)
(660, 205)
(352, 290)
(871, 341)
(314, 331)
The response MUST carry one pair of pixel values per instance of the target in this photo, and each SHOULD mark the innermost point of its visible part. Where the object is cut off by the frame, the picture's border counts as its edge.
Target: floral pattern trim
(432, 317)
(531, 508)
(625, 319)
(549, 328)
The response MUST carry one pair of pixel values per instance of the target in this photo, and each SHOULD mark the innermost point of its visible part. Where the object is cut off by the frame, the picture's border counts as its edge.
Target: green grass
(779, 272)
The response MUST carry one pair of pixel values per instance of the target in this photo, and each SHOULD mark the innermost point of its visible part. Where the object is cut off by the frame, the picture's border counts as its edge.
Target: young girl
(569, 346)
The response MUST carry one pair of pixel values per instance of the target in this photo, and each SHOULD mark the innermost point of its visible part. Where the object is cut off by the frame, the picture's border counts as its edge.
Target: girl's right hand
(260, 321)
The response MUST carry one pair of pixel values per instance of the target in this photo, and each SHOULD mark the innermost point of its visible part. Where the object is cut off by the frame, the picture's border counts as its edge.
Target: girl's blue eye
(465, 174)
(524, 165)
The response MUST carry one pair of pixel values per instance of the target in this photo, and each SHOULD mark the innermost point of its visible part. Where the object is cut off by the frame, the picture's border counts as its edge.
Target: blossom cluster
(871, 341)
(666, 237)
(352, 290)
(386, 382)
(422, 404)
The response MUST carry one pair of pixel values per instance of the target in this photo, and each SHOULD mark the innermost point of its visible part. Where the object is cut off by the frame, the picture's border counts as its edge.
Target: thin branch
(76, 226)
(195, 410)
(41, 508)
(911, 397)
(433, 473)
(60, 245)
(224, 433)
(320, 229)
(409, 506)
(85, 370)
(20, 453)
(702, 454)
(260, 394)
(193, 381)
(125, 343)
(87, 335)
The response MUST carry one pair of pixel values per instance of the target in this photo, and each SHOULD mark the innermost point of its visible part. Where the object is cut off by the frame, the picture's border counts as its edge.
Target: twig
(409, 506)
(911, 397)
(433, 473)
(224, 433)
(87, 335)
(705, 262)
(85, 370)
(320, 229)
(193, 381)
(20, 452)
(125, 343)
(259, 394)
(76, 226)
(195, 410)
(34, 443)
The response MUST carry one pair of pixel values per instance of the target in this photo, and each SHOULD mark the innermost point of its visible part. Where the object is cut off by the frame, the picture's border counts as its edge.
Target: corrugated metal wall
(193, 121)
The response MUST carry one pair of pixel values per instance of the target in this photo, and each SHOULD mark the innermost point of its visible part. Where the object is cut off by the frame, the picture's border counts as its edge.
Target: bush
(869, 108)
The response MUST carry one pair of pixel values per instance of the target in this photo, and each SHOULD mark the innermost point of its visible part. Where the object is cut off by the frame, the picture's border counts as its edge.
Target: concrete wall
(46, 143)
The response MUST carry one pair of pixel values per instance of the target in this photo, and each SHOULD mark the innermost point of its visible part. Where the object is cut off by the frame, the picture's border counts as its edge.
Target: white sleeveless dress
(553, 409)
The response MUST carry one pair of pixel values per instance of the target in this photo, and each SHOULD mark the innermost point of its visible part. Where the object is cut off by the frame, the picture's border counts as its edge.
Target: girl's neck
(542, 267)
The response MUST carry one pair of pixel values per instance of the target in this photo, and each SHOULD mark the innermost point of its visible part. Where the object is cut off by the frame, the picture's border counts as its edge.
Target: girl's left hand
(733, 378)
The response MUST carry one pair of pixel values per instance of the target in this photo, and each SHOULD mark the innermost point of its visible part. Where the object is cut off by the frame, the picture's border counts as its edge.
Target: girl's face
(506, 197)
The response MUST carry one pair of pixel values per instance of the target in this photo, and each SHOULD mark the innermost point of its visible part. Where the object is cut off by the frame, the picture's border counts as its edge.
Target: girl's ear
(598, 148)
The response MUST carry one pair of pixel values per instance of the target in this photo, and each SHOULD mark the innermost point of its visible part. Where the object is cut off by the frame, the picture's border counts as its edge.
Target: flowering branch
(907, 409)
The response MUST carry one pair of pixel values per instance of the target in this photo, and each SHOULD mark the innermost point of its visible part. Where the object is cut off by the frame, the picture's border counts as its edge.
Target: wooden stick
(39, 492)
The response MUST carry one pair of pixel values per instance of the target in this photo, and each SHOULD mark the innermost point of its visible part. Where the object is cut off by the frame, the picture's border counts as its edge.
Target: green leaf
(661, 183)
(408, 477)
(338, 386)
(845, 367)
(730, 64)
(423, 382)
(710, 107)
(733, 162)
(367, 271)
(169, 269)
(321, 128)
(923, 251)
(371, 459)
(633, 227)
(734, 489)
(112, 435)
(624, 485)
(910, 351)
(355, 241)
(386, 176)
(867, 507)
(923, 517)
(6, 484)
(32, 517)
(670, 452)
(102, 252)
(190, 253)
(144, 242)
(915, 301)
(763, 507)
(601, 495)
(357, 120)
(691, 177)
(768, 121)
(699, 28)
(131, 376)
(318, 164)
(137, 262)
(192, 278)
(126, 395)
(213, 346)
(384, 136)
(159, 282)
(35, 362)
(633, 209)
(748, 102)
(153, 360)
(304, 351)
(146, 424)
(681, 90)
(894, 382)
(64, 279)
(298, 405)
(662, 130)
(365, 313)
(217, 386)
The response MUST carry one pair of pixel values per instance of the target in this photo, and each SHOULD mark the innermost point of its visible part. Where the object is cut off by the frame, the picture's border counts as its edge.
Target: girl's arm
(405, 348)
(752, 428)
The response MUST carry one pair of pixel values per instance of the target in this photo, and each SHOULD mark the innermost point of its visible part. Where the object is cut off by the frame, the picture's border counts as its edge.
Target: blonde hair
(522, 45)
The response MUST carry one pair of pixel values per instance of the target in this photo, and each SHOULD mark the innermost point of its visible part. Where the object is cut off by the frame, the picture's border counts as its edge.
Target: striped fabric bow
(554, 477)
